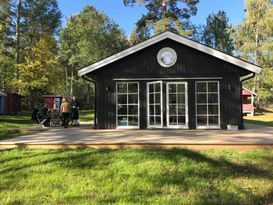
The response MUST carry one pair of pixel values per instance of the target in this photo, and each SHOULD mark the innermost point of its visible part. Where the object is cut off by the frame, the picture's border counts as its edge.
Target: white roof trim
(177, 38)
(249, 91)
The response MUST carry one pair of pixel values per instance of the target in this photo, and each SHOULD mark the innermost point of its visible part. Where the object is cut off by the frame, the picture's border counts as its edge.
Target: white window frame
(128, 126)
(186, 126)
(148, 105)
(219, 113)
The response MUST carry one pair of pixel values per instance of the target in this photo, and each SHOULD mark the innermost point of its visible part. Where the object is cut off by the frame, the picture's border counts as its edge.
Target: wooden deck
(250, 138)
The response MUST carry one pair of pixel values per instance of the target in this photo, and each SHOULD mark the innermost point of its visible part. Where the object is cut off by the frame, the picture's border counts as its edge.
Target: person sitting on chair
(44, 113)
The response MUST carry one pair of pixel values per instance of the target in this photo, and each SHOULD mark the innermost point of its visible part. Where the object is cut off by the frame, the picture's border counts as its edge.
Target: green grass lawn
(10, 124)
(262, 117)
(86, 115)
(136, 176)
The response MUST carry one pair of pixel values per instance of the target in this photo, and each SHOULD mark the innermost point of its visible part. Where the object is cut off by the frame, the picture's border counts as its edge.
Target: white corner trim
(177, 38)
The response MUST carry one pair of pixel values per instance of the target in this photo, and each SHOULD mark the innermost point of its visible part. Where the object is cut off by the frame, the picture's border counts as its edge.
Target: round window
(166, 57)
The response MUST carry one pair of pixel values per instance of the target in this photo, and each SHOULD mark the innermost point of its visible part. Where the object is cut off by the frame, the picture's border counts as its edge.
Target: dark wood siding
(190, 64)
(105, 104)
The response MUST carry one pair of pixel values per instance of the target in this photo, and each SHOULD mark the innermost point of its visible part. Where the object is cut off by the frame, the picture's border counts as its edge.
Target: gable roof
(180, 39)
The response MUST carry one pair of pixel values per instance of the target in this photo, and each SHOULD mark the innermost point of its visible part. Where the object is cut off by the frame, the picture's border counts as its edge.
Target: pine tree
(163, 15)
(253, 41)
(138, 35)
(217, 32)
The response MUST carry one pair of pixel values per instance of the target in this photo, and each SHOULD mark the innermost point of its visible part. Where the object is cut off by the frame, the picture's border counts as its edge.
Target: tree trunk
(71, 85)
(163, 4)
(66, 81)
(257, 76)
(17, 36)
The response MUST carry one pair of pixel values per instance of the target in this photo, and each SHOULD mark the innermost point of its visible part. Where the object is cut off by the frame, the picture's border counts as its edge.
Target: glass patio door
(155, 107)
(177, 108)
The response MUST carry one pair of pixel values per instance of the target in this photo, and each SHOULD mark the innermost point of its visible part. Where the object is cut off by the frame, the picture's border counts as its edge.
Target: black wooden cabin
(169, 81)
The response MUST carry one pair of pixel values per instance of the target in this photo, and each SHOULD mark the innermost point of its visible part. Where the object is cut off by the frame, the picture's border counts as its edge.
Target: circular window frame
(161, 51)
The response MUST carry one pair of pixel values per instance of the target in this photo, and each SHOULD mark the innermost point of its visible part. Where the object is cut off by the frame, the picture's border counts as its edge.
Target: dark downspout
(252, 75)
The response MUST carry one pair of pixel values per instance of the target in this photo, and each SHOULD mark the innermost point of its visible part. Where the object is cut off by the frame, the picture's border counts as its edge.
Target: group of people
(69, 110)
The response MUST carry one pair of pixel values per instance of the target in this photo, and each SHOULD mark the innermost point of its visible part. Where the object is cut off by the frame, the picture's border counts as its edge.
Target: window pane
(122, 99)
(181, 110)
(172, 110)
(151, 110)
(157, 87)
(172, 88)
(133, 98)
(201, 120)
(132, 88)
(122, 87)
(201, 87)
(181, 120)
(157, 98)
(181, 98)
(173, 120)
(181, 88)
(152, 122)
(201, 98)
(151, 99)
(213, 120)
(151, 88)
(202, 109)
(212, 87)
(157, 110)
(213, 109)
(213, 98)
(133, 121)
(122, 109)
(172, 99)
(122, 121)
(133, 109)
(157, 120)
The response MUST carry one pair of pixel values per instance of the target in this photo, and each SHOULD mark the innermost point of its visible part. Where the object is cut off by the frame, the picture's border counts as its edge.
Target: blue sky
(127, 16)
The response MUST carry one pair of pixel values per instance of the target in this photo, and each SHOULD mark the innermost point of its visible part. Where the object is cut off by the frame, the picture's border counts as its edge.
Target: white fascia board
(177, 38)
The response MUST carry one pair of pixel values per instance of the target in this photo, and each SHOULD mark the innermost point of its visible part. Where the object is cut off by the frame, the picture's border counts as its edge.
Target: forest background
(40, 56)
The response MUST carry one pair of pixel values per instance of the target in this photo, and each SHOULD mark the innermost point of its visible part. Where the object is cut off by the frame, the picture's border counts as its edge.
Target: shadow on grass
(73, 160)
(190, 171)
(220, 169)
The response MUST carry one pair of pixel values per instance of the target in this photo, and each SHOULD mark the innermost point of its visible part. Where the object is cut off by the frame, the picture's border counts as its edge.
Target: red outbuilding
(53, 101)
(13, 104)
(248, 101)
